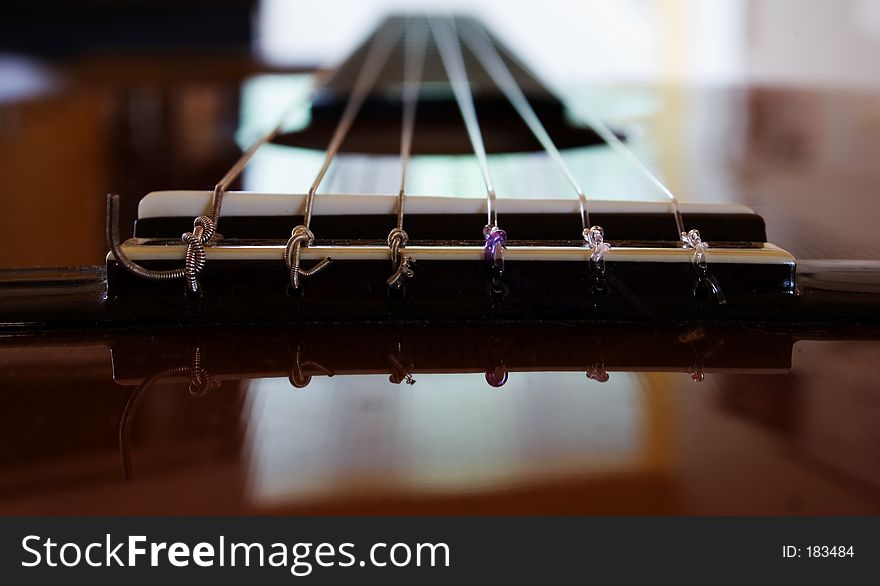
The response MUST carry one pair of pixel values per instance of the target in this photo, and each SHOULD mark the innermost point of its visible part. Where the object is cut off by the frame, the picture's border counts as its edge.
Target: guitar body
(536, 377)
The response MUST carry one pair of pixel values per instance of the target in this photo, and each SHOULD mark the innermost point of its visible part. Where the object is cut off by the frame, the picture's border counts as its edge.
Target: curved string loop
(414, 63)
(692, 240)
(377, 55)
(204, 226)
(402, 262)
(200, 383)
(706, 282)
(195, 257)
(112, 236)
(493, 253)
(401, 366)
(301, 237)
(595, 241)
(298, 377)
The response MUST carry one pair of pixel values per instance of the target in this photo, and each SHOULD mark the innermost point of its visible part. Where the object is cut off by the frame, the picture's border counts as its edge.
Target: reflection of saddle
(404, 351)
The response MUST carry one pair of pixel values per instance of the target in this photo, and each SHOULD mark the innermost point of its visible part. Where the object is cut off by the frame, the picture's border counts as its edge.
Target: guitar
(434, 265)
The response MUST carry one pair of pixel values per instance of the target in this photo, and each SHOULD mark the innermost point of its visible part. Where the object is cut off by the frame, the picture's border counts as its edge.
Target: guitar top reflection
(430, 419)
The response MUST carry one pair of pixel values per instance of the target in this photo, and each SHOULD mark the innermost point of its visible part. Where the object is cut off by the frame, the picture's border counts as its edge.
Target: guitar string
(301, 236)
(604, 131)
(414, 64)
(374, 62)
(607, 134)
(204, 227)
(450, 50)
(415, 43)
(449, 46)
(489, 57)
(238, 167)
(690, 239)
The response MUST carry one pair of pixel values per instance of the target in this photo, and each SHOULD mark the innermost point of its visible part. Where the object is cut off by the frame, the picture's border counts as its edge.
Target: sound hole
(440, 128)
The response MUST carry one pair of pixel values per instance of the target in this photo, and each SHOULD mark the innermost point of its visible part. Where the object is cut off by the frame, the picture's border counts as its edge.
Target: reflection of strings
(703, 348)
(497, 377)
(597, 371)
(401, 365)
(297, 376)
(498, 346)
(200, 383)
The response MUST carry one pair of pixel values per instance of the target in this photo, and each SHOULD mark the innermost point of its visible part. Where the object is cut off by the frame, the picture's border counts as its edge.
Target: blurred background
(805, 42)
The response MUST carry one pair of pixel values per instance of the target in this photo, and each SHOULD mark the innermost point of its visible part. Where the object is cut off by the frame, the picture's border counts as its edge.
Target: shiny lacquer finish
(511, 419)
(669, 418)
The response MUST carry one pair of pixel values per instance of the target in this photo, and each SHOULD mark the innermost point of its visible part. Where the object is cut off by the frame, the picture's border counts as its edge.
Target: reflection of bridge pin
(401, 366)
(697, 374)
(298, 377)
(598, 374)
(497, 377)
